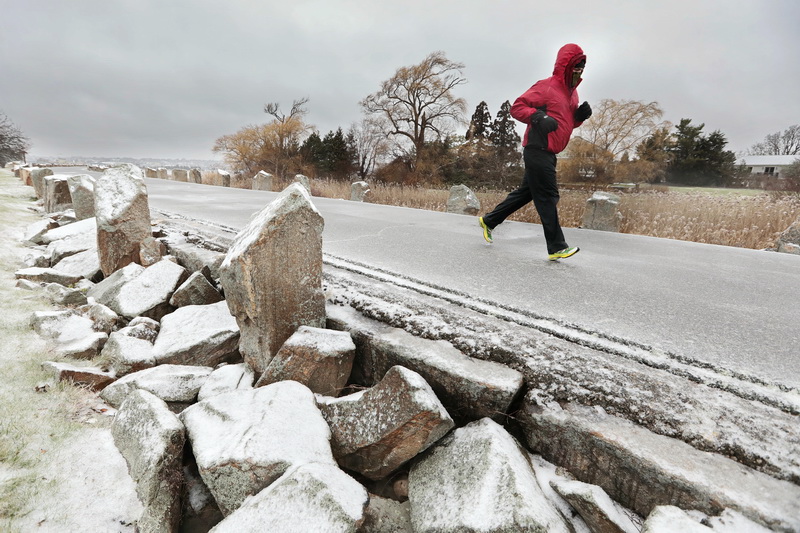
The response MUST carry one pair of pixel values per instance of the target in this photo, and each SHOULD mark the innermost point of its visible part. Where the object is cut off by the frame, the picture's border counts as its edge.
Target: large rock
(175, 384)
(58, 250)
(123, 216)
(85, 264)
(76, 229)
(36, 178)
(469, 388)
(602, 212)
(262, 181)
(148, 294)
(272, 275)
(81, 190)
(151, 439)
(126, 354)
(47, 275)
(56, 193)
(64, 296)
(93, 378)
(196, 290)
(360, 192)
(625, 458)
(789, 240)
(376, 431)
(307, 498)
(669, 519)
(244, 440)
(463, 201)
(479, 479)
(384, 515)
(320, 359)
(600, 512)
(198, 335)
(227, 378)
(179, 174)
(107, 291)
(195, 176)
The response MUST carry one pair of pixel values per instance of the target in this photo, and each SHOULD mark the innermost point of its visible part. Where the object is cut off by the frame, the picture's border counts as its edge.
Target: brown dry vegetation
(740, 219)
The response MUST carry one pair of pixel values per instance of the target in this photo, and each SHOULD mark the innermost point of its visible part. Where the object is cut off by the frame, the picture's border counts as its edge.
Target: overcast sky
(164, 79)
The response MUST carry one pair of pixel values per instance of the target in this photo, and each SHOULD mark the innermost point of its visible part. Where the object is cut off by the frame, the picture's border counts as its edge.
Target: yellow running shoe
(563, 254)
(487, 231)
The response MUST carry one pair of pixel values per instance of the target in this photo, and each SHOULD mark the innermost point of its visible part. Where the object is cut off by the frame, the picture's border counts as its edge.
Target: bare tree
(618, 126)
(13, 144)
(369, 144)
(786, 142)
(418, 101)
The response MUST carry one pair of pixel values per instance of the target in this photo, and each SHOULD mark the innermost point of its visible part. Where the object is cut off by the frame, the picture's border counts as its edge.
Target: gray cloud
(165, 79)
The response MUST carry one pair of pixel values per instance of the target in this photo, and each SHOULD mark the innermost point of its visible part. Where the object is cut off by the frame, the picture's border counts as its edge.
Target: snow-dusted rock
(76, 229)
(62, 295)
(198, 335)
(92, 377)
(178, 384)
(59, 249)
(304, 181)
(196, 290)
(478, 479)
(360, 192)
(262, 181)
(46, 275)
(731, 521)
(463, 201)
(36, 178)
(126, 354)
(627, 457)
(670, 519)
(148, 293)
(151, 439)
(195, 176)
(244, 440)
(469, 388)
(81, 190)
(85, 347)
(27, 285)
(600, 512)
(151, 251)
(35, 231)
(789, 240)
(272, 275)
(308, 497)
(103, 317)
(85, 264)
(123, 216)
(602, 212)
(376, 431)
(383, 515)
(107, 291)
(227, 378)
(180, 174)
(56, 193)
(320, 359)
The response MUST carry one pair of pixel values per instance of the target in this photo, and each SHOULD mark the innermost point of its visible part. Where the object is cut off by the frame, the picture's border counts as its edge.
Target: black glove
(583, 112)
(542, 121)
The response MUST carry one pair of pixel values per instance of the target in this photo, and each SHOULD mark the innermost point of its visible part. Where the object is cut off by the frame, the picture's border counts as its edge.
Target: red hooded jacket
(554, 92)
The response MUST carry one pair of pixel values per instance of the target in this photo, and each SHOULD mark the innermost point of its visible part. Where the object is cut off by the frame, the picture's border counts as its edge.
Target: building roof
(768, 160)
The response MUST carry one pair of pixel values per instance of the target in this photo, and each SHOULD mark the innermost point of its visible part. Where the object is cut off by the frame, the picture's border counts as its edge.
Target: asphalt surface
(731, 308)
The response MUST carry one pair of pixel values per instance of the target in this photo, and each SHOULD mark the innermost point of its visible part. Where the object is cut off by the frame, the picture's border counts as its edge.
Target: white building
(768, 165)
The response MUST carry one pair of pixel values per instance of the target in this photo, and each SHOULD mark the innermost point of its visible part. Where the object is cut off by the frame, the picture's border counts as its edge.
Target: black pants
(538, 184)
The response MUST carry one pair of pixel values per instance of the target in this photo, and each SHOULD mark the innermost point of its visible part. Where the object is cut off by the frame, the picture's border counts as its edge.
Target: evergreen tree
(503, 131)
(337, 159)
(696, 159)
(313, 151)
(480, 124)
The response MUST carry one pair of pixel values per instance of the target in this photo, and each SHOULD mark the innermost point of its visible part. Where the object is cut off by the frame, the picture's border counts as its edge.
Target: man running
(551, 111)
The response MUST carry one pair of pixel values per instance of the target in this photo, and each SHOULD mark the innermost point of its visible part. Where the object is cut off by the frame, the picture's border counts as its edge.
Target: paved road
(733, 308)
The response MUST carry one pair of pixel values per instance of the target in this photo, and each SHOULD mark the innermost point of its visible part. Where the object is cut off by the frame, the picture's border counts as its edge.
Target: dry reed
(743, 220)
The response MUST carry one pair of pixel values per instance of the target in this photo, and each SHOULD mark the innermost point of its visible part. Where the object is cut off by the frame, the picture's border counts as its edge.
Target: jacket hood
(568, 56)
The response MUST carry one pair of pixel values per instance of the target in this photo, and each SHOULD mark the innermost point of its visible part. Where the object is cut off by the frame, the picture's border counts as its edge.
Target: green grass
(31, 423)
